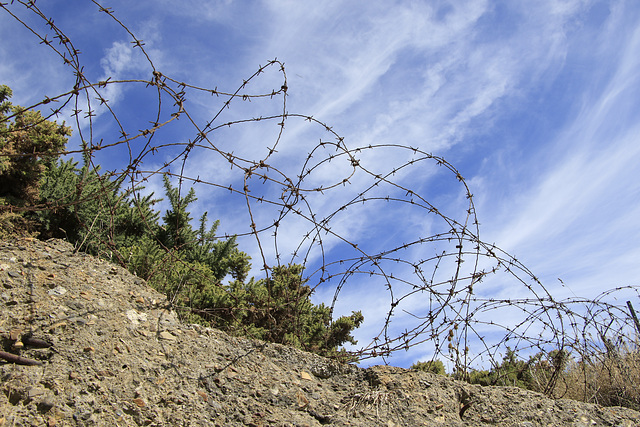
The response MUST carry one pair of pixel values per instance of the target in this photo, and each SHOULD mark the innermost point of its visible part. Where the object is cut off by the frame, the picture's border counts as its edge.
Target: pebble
(136, 318)
(35, 392)
(46, 405)
(58, 291)
(167, 336)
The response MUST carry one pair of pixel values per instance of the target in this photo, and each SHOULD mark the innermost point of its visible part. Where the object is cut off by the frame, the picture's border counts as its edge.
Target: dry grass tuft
(607, 379)
(357, 402)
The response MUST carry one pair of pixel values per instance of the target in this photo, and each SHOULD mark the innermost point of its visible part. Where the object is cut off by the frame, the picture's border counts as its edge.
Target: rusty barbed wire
(433, 283)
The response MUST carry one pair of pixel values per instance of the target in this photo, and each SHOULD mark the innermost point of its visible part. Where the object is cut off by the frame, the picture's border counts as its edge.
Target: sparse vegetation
(189, 265)
(433, 366)
(205, 275)
(607, 377)
(28, 145)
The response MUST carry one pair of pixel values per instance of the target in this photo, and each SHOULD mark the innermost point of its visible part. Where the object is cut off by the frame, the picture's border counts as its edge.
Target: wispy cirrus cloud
(534, 103)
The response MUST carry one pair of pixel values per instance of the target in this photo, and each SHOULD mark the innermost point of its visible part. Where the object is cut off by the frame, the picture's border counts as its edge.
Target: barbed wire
(439, 300)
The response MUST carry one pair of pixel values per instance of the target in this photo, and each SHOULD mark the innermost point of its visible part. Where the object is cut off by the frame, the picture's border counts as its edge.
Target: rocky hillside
(97, 346)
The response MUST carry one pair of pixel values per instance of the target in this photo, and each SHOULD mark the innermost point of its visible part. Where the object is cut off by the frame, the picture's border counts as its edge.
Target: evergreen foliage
(539, 373)
(28, 144)
(199, 245)
(433, 366)
(190, 266)
(280, 310)
(511, 372)
(92, 211)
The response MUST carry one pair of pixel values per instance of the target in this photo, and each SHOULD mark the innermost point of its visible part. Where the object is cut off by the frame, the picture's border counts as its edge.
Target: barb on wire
(442, 286)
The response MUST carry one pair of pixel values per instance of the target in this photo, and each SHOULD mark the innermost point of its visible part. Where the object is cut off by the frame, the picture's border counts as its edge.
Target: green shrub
(433, 366)
(28, 144)
(189, 265)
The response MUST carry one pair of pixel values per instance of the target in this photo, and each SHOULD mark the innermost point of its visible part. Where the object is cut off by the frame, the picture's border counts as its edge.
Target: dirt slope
(119, 357)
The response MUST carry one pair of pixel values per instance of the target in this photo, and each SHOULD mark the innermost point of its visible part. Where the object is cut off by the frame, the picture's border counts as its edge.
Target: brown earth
(119, 357)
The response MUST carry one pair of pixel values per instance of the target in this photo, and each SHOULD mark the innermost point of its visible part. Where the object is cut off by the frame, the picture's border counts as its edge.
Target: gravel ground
(105, 350)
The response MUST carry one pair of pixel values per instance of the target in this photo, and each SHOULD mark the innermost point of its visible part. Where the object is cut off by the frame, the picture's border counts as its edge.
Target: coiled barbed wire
(434, 283)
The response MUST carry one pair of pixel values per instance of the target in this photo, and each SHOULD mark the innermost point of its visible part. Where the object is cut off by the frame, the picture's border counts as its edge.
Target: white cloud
(432, 76)
(576, 220)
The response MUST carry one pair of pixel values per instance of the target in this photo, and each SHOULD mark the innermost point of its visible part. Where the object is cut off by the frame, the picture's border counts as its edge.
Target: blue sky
(536, 104)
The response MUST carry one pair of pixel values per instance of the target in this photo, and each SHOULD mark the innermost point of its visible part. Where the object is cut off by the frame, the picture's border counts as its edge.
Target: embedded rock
(110, 351)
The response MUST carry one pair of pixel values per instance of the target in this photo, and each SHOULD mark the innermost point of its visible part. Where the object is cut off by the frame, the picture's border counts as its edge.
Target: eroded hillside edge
(120, 356)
